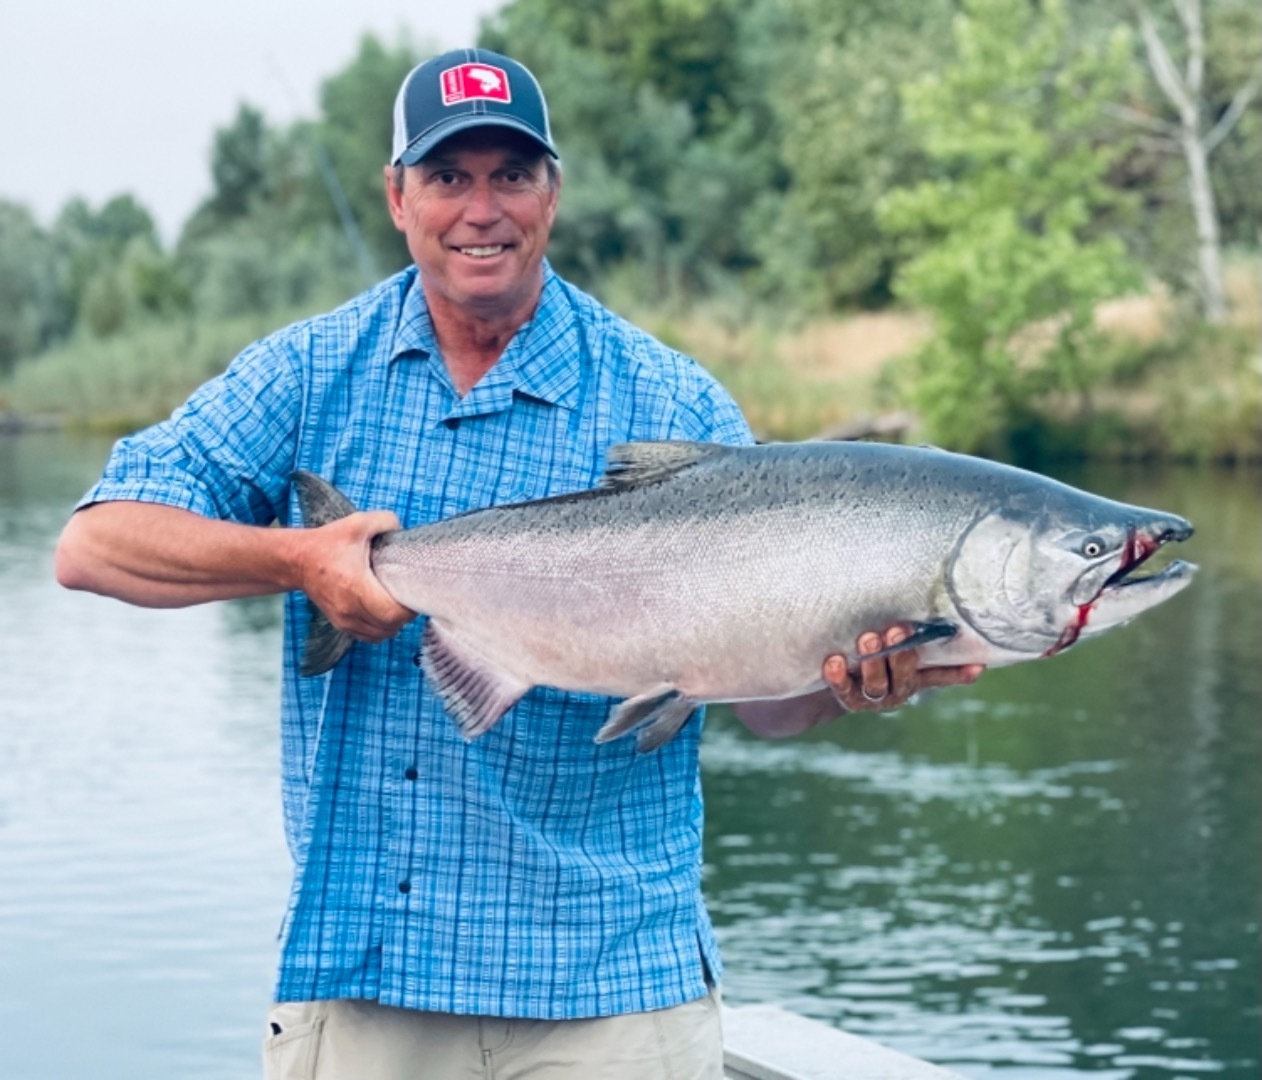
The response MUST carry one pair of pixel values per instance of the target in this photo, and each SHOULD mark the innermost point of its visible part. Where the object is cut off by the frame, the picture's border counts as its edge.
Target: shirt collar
(542, 361)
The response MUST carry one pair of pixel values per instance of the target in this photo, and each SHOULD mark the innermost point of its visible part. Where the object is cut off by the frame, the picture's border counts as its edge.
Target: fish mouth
(1141, 545)
(1177, 572)
(1136, 586)
(1126, 593)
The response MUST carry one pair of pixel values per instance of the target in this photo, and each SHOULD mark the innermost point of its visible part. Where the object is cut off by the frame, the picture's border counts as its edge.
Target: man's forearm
(788, 716)
(162, 556)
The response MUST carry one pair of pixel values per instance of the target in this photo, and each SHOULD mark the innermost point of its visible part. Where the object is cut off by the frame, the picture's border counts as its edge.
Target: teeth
(482, 252)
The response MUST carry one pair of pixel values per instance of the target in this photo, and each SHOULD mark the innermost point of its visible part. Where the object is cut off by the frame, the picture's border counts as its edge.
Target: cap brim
(426, 143)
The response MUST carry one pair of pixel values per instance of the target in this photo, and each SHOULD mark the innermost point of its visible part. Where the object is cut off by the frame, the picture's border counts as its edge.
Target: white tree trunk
(1205, 214)
(1184, 92)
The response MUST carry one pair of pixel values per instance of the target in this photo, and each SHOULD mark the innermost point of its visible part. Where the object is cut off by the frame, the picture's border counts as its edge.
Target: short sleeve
(227, 452)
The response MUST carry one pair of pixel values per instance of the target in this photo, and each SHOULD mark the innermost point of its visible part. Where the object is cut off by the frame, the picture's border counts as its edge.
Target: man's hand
(889, 681)
(335, 572)
(883, 683)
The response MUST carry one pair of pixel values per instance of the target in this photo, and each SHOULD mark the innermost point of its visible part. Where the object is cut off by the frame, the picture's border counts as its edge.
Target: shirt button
(405, 886)
(410, 773)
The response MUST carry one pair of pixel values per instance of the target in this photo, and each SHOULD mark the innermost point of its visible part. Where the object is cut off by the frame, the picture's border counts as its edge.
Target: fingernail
(869, 643)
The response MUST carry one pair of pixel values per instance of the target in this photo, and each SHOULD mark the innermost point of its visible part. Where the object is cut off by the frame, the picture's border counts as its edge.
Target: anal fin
(473, 690)
(656, 717)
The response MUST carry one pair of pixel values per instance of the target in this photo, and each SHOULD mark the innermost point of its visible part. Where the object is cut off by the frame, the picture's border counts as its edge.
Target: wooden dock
(765, 1042)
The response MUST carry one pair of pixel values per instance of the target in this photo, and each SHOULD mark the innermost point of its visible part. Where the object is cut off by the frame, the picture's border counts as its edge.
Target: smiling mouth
(483, 251)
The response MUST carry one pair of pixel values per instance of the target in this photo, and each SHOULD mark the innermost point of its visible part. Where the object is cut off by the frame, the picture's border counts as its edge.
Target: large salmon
(698, 573)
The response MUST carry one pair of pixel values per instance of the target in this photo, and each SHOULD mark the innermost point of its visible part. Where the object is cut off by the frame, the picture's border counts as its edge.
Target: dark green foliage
(354, 131)
(31, 311)
(238, 164)
(653, 185)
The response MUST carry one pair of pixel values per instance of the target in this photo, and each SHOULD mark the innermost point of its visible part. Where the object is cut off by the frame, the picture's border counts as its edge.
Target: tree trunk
(1205, 214)
(1184, 92)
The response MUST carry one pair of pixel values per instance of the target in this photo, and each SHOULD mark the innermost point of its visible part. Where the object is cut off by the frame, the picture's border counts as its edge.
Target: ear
(554, 192)
(394, 198)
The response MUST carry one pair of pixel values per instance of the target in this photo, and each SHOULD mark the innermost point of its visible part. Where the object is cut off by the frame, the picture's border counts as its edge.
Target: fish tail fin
(321, 503)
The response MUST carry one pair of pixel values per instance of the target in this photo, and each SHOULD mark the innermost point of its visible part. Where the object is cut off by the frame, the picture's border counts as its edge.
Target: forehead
(499, 142)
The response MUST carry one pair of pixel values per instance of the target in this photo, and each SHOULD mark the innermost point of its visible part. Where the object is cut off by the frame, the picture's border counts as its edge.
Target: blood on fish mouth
(1138, 550)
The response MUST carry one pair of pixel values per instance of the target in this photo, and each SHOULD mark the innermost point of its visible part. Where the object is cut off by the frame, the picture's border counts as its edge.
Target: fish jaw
(1121, 596)
(1122, 600)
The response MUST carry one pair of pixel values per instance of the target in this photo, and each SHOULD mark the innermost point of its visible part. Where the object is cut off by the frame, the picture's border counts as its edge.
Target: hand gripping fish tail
(321, 503)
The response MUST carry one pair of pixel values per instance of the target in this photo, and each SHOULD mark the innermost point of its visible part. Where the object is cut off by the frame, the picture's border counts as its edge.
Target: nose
(482, 206)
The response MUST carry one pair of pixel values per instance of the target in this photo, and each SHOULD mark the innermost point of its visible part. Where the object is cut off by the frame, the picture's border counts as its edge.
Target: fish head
(1035, 579)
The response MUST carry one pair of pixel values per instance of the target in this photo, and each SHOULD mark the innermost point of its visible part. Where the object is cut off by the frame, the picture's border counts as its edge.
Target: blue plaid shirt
(530, 873)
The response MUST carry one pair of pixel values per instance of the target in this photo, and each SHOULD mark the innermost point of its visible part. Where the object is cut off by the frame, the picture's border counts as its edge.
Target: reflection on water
(1049, 874)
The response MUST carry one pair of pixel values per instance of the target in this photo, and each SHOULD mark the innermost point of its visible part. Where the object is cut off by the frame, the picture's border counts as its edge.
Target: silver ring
(868, 697)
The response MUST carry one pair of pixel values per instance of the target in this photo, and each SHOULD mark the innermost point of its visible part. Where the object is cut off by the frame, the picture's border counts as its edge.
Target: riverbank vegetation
(1015, 229)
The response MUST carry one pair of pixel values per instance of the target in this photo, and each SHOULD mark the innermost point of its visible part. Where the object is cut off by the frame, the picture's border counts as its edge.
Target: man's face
(477, 213)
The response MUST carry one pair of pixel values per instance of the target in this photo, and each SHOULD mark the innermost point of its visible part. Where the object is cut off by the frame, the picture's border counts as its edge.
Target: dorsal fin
(634, 464)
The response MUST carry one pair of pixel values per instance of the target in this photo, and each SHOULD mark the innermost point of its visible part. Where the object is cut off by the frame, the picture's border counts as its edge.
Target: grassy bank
(118, 384)
(1172, 388)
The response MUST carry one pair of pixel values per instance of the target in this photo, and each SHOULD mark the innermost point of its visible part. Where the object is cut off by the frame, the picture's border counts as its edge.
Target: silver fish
(698, 573)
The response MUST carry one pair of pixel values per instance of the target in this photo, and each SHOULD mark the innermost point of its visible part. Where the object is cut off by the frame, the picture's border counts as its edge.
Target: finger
(950, 676)
(874, 675)
(837, 675)
(375, 522)
(904, 666)
(381, 616)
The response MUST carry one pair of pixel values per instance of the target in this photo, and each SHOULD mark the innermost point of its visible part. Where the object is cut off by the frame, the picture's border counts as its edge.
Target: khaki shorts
(362, 1040)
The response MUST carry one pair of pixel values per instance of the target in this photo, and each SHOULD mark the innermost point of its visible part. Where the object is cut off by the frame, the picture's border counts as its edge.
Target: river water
(1051, 874)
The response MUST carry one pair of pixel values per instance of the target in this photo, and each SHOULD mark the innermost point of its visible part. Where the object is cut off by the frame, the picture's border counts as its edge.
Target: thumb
(374, 522)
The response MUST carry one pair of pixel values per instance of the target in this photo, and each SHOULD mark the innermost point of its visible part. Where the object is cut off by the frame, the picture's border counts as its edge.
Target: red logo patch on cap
(469, 82)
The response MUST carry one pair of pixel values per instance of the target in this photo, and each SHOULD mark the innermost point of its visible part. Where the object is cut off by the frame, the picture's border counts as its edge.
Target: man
(530, 901)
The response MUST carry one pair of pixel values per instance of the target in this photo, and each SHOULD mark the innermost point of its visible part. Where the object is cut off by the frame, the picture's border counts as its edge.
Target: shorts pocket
(292, 1043)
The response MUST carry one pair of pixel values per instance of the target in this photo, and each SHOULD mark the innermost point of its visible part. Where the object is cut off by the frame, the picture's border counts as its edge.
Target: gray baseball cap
(463, 89)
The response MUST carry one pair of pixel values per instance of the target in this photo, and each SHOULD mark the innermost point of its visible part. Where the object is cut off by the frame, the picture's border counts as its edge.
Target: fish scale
(698, 573)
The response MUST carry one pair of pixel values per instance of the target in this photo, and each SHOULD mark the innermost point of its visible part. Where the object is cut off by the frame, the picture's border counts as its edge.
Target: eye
(1093, 547)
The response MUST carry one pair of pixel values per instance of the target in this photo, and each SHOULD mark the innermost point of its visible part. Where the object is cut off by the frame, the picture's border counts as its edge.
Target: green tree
(1196, 132)
(354, 133)
(1012, 243)
(31, 307)
(91, 244)
(655, 187)
(239, 163)
(831, 74)
(688, 52)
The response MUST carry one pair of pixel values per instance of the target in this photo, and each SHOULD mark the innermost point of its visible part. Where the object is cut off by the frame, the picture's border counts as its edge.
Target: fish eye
(1092, 547)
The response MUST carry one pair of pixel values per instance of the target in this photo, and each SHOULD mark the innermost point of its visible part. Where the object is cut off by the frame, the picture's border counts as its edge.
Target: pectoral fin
(656, 716)
(922, 633)
(474, 691)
